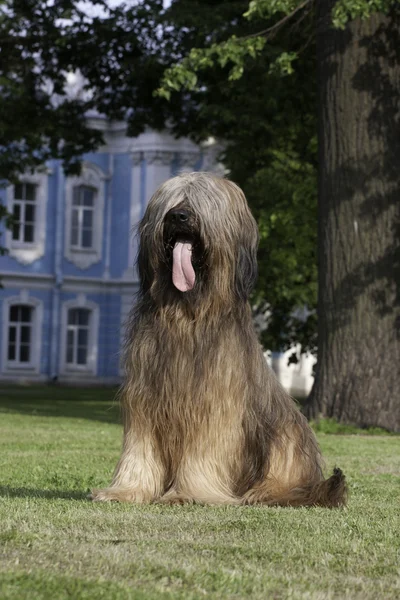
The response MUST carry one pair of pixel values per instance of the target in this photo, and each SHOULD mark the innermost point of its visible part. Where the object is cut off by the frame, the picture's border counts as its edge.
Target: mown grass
(55, 444)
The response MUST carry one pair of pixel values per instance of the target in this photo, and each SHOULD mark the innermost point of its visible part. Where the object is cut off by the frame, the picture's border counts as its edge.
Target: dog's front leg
(139, 475)
(206, 471)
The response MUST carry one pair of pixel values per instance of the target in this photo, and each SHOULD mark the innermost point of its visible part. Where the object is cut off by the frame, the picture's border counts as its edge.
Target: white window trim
(33, 367)
(27, 252)
(94, 177)
(91, 366)
(75, 329)
(81, 210)
(23, 204)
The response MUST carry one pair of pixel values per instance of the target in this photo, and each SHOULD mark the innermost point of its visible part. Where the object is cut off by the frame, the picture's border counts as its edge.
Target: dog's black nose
(178, 215)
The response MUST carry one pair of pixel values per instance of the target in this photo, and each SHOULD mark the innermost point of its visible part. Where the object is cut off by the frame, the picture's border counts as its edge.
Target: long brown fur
(205, 419)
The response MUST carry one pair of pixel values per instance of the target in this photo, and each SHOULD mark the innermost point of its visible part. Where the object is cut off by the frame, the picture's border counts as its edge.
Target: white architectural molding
(108, 216)
(71, 283)
(33, 366)
(27, 252)
(117, 142)
(158, 170)
(135, 213)
(81, 300)
(94, 177)
(24, 295)
(91, 366)
(158, 158)
(23, 378)
(85, 379)
(137, 158)
(93, 286)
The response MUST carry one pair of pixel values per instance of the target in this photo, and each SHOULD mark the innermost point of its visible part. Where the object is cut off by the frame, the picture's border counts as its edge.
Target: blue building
(68, 279)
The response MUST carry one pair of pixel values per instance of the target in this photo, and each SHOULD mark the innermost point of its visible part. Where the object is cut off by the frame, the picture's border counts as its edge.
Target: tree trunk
(357, 379)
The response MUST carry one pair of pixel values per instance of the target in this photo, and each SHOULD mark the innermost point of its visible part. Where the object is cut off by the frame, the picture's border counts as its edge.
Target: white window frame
(33, 366)
(91, 365)
(91, 176)
(23, 204)
(81, 209)
(75, 329)
(27, 252)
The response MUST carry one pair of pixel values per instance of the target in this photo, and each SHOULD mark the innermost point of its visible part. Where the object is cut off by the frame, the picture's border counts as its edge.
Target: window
(24, 212)
(83, 203)
(78, 330)
(21, 340)
(26, 201)
(20, 324)
(84, 216)
(79, 337)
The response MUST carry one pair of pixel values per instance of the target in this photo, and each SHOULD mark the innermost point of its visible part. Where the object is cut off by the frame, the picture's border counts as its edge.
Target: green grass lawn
(57, 443)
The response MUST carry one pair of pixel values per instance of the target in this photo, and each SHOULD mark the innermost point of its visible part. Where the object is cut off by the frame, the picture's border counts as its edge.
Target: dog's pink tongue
(183, 275)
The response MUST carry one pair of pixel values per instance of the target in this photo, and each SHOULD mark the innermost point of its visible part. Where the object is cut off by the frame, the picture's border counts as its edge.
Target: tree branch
(270, 31)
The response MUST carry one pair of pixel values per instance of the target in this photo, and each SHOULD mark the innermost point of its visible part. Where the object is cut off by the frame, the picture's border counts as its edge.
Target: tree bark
(357, 379)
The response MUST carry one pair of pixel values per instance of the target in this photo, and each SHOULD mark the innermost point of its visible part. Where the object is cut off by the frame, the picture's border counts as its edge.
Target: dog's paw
(119, 495)
(259, 495)
(173, 497)
(105, 495)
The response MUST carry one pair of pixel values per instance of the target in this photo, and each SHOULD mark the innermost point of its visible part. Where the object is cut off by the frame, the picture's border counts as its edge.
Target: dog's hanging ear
(246, 233)
(246, 263)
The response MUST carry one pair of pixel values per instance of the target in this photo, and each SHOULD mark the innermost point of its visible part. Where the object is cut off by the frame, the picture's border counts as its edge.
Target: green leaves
(347, 10)
(231, 53)
(283, 198)
(276, 14)
(269, 8)
(343, 11)
(283, 64)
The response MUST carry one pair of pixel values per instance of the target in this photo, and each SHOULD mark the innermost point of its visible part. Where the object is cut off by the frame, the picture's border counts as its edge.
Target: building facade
(68, 278)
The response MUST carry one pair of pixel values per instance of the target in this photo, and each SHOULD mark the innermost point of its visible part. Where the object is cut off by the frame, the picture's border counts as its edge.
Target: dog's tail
(331, 493)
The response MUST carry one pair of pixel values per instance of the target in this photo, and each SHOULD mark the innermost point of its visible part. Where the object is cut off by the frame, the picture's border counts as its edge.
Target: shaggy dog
(205, 419)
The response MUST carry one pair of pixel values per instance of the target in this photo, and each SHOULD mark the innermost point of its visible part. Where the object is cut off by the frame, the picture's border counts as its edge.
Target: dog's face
(198, 237)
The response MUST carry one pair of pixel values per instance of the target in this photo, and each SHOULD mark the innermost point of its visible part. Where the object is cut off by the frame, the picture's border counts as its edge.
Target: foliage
(56, 443)
(269, 8)
(345, 10)
(236, 50)
(233, 51)
(39, 119)
(44, 44)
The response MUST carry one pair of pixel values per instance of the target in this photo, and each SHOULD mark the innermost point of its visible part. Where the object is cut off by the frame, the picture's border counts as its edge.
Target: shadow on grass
(97, 404)
(10, 492)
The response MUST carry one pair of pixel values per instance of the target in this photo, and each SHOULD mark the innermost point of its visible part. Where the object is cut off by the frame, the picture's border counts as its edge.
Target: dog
(205, 419)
